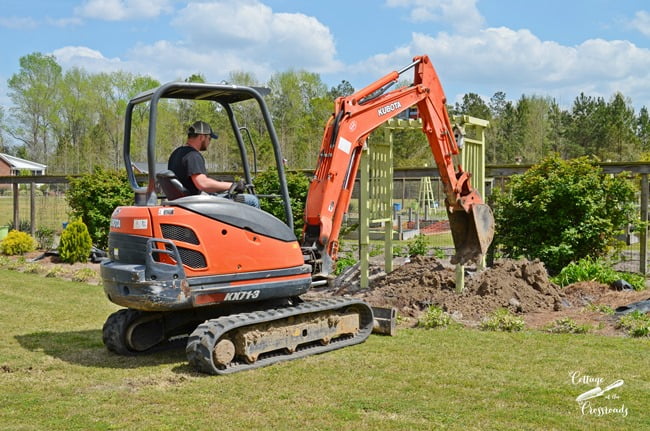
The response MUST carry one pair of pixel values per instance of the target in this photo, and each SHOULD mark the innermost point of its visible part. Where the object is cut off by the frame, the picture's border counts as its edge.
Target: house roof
(143, 167)
(18, 163)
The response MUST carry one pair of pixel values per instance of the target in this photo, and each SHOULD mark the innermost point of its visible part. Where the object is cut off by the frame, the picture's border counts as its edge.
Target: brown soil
(521, 286)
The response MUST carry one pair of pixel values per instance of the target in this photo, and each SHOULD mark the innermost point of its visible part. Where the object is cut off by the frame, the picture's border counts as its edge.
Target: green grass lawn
(55, 374)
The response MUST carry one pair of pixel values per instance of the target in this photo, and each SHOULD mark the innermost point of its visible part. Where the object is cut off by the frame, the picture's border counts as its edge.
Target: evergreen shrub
(75, 244)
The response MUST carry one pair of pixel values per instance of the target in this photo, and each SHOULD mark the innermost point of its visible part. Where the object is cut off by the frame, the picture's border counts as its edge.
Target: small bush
(84, 274)
(439, 253)
(54, 272)
(418, 246)
(600, 308)
(636, 323)
(76, 244)
(44, 237)
(567, 326)
(503, 320)
(376, 251)
(398, 251)
(435, 317)
(588, 269)
(17, 242)
(344, 263)
(32, 268)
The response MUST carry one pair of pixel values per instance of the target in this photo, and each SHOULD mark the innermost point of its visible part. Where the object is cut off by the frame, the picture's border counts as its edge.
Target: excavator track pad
(244, 341)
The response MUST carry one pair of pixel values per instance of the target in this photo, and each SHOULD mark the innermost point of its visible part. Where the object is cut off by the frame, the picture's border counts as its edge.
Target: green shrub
(503, 320)
(567, 325)
(44, 237)
(93, 197)
(399, 251)
(636, 323)
(418, 246)
(76, 244)
(561, 211)
(588, 269)
(54, 272)
(84, 274)
(435, 317)
(439, 253)
(268, 183)
(17, 242)
(32, 268)
(344, 263)
(600, 308)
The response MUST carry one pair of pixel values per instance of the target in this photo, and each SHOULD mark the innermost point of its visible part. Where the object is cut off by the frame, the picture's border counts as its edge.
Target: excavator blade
(472, 233)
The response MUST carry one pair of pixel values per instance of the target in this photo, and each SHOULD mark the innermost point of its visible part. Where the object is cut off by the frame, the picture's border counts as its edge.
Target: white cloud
(249, 28)
(462, 15)
(90, 60)
(217, 38)
(641, 22)
(497, 59)
(119, 10)
(18, 23)
(65, 22)
(222, 36)
(229, 23)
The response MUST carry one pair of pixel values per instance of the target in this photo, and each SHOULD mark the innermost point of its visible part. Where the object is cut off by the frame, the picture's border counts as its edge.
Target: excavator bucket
(472, 233)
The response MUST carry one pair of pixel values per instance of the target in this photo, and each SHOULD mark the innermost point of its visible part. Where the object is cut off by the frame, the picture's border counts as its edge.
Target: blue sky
(534, 47)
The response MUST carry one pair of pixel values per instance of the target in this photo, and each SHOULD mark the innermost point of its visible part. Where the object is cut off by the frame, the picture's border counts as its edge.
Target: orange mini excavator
(227, 278)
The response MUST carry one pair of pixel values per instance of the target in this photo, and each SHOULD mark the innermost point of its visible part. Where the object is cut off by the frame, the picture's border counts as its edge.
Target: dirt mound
(520, 286)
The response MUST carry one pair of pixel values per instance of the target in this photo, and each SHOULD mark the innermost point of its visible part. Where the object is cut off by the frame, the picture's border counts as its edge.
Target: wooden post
(32, 207)
(643, 237)
(388, 225)
(16, 192)
(364, 219)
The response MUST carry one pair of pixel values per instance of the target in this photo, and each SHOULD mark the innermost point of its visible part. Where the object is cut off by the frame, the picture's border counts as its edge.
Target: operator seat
(171, 185)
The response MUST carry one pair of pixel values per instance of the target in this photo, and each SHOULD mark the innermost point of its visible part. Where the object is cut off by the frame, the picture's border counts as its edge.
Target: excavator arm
(354, 118)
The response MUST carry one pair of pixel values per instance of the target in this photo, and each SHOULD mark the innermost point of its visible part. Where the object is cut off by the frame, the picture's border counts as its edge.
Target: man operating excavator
(188, 164)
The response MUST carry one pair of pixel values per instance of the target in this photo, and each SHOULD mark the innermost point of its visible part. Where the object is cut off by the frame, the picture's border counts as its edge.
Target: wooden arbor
(376, 183)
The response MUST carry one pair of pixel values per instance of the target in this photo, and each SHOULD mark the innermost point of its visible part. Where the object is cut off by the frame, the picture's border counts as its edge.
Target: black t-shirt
(185, 161)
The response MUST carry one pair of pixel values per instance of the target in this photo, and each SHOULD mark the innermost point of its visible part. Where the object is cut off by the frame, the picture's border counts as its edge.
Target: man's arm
(210, 185)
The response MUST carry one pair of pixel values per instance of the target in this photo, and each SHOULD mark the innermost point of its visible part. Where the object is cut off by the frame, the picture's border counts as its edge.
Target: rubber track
(202, 341)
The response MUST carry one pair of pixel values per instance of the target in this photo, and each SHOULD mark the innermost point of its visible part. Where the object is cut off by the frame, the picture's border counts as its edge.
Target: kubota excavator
(228, 277)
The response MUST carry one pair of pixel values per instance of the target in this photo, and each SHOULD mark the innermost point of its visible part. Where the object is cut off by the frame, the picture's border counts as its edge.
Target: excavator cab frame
(226, 96)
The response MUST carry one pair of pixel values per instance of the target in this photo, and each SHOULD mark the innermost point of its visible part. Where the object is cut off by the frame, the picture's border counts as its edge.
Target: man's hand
(238, 187)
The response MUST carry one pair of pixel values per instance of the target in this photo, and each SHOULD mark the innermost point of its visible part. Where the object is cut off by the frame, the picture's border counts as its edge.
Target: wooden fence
(405, 188)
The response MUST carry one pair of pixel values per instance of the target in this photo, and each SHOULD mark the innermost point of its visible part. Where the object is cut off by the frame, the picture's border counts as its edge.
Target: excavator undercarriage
(239, 341)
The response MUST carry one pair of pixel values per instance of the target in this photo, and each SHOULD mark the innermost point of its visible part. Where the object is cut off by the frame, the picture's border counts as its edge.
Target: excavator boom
(354, 118)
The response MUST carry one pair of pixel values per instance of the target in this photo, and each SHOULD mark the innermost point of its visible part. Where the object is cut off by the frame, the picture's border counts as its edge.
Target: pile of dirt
(521, 286)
